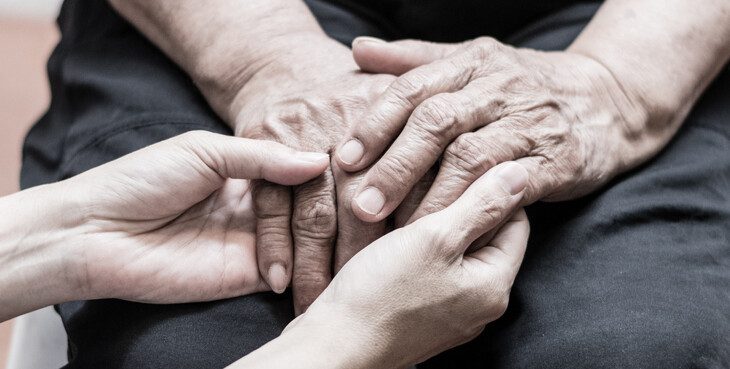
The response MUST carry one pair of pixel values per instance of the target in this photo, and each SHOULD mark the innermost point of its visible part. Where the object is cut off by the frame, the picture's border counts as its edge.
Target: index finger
(383, 121)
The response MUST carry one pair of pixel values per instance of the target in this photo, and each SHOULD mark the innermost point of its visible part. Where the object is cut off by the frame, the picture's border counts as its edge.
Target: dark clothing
(454, 20)
(636, 275)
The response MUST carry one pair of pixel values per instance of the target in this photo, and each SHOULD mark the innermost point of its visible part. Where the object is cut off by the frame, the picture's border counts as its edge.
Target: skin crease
(432, 278)
(629, 52)
(305, 109)
(173, 223)
(599, 113)
(277, 91)
(170, 223)
(574, 119)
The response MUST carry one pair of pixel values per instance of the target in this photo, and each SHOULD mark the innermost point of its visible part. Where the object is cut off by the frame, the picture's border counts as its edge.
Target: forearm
(221, 43)
(36, 254)
(664, 53)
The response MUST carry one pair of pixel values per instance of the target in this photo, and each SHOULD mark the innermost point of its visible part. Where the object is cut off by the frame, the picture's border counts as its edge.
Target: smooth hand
(174, 222)
(418, 290)
(562, 115)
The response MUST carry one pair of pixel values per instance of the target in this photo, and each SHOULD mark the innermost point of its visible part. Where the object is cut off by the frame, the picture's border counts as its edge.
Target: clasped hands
(434, 149)
(411, 125)
(174, 223)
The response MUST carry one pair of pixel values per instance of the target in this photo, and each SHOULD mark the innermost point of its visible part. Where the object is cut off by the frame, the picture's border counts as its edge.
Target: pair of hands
(396, 112)
(174, 222)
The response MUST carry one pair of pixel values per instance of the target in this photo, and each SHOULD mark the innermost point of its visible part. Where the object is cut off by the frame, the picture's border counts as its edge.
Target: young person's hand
(174, 222)
(418, 290)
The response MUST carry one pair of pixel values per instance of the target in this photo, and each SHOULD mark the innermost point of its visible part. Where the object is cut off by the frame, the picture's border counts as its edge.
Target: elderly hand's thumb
(378, 56)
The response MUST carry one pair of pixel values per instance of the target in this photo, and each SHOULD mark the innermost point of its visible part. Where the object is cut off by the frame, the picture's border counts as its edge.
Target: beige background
(27, 35)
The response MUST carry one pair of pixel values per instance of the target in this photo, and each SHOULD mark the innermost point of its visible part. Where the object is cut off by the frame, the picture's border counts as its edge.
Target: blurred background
(27, 36)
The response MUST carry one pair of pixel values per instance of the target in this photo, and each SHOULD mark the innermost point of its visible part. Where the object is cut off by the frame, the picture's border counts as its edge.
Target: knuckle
(492, 208)
(273, 235)
(437, 118)
(485, 46)
(273, 214)
(315, 218)
(296, 111)
(393, 169)
(498, 305)
(409, 88)
(314, 278)
(271, 204)
(267, 129)
(435, 234)
(467, 155)
(565, 153)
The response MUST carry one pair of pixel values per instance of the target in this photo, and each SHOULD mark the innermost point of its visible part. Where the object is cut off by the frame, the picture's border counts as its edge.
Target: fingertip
(381, 56)
(318, 159)
(365, 40)
(277, 278)
(511, 177)
(300, 309)
(365, 52)
(297, 167)
(368, 205)
(349, 156)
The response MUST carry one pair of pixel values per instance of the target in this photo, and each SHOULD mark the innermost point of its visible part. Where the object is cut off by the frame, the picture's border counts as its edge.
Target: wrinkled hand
(307, 98)
(561, 115)
(174, 222)
(417, 291)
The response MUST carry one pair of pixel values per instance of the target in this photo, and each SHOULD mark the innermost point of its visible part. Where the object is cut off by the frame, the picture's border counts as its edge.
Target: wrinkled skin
(307, 99)
(415, 318)
(561, 115)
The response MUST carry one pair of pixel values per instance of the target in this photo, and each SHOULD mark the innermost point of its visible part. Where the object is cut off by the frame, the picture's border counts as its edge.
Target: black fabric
(454, 20)
(636, 275)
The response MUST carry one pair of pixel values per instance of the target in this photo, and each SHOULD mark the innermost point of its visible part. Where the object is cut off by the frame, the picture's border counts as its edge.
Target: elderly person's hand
(562, 115)
(170, 223)
(307, 97)
(270, 72)
(416, 291)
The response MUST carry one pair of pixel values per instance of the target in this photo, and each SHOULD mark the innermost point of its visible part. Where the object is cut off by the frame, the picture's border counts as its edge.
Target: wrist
(640, 126)
(639, 92)
(322, 337)
(298, 63)
(221, 75)
(38, 250)
(342, 336)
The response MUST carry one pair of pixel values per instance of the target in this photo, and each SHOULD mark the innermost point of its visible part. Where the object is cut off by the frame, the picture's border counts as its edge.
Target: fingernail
(513, 177)
(312, 157)
(351, 152)
(277, 278)
(368, 39)
(370, 200)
